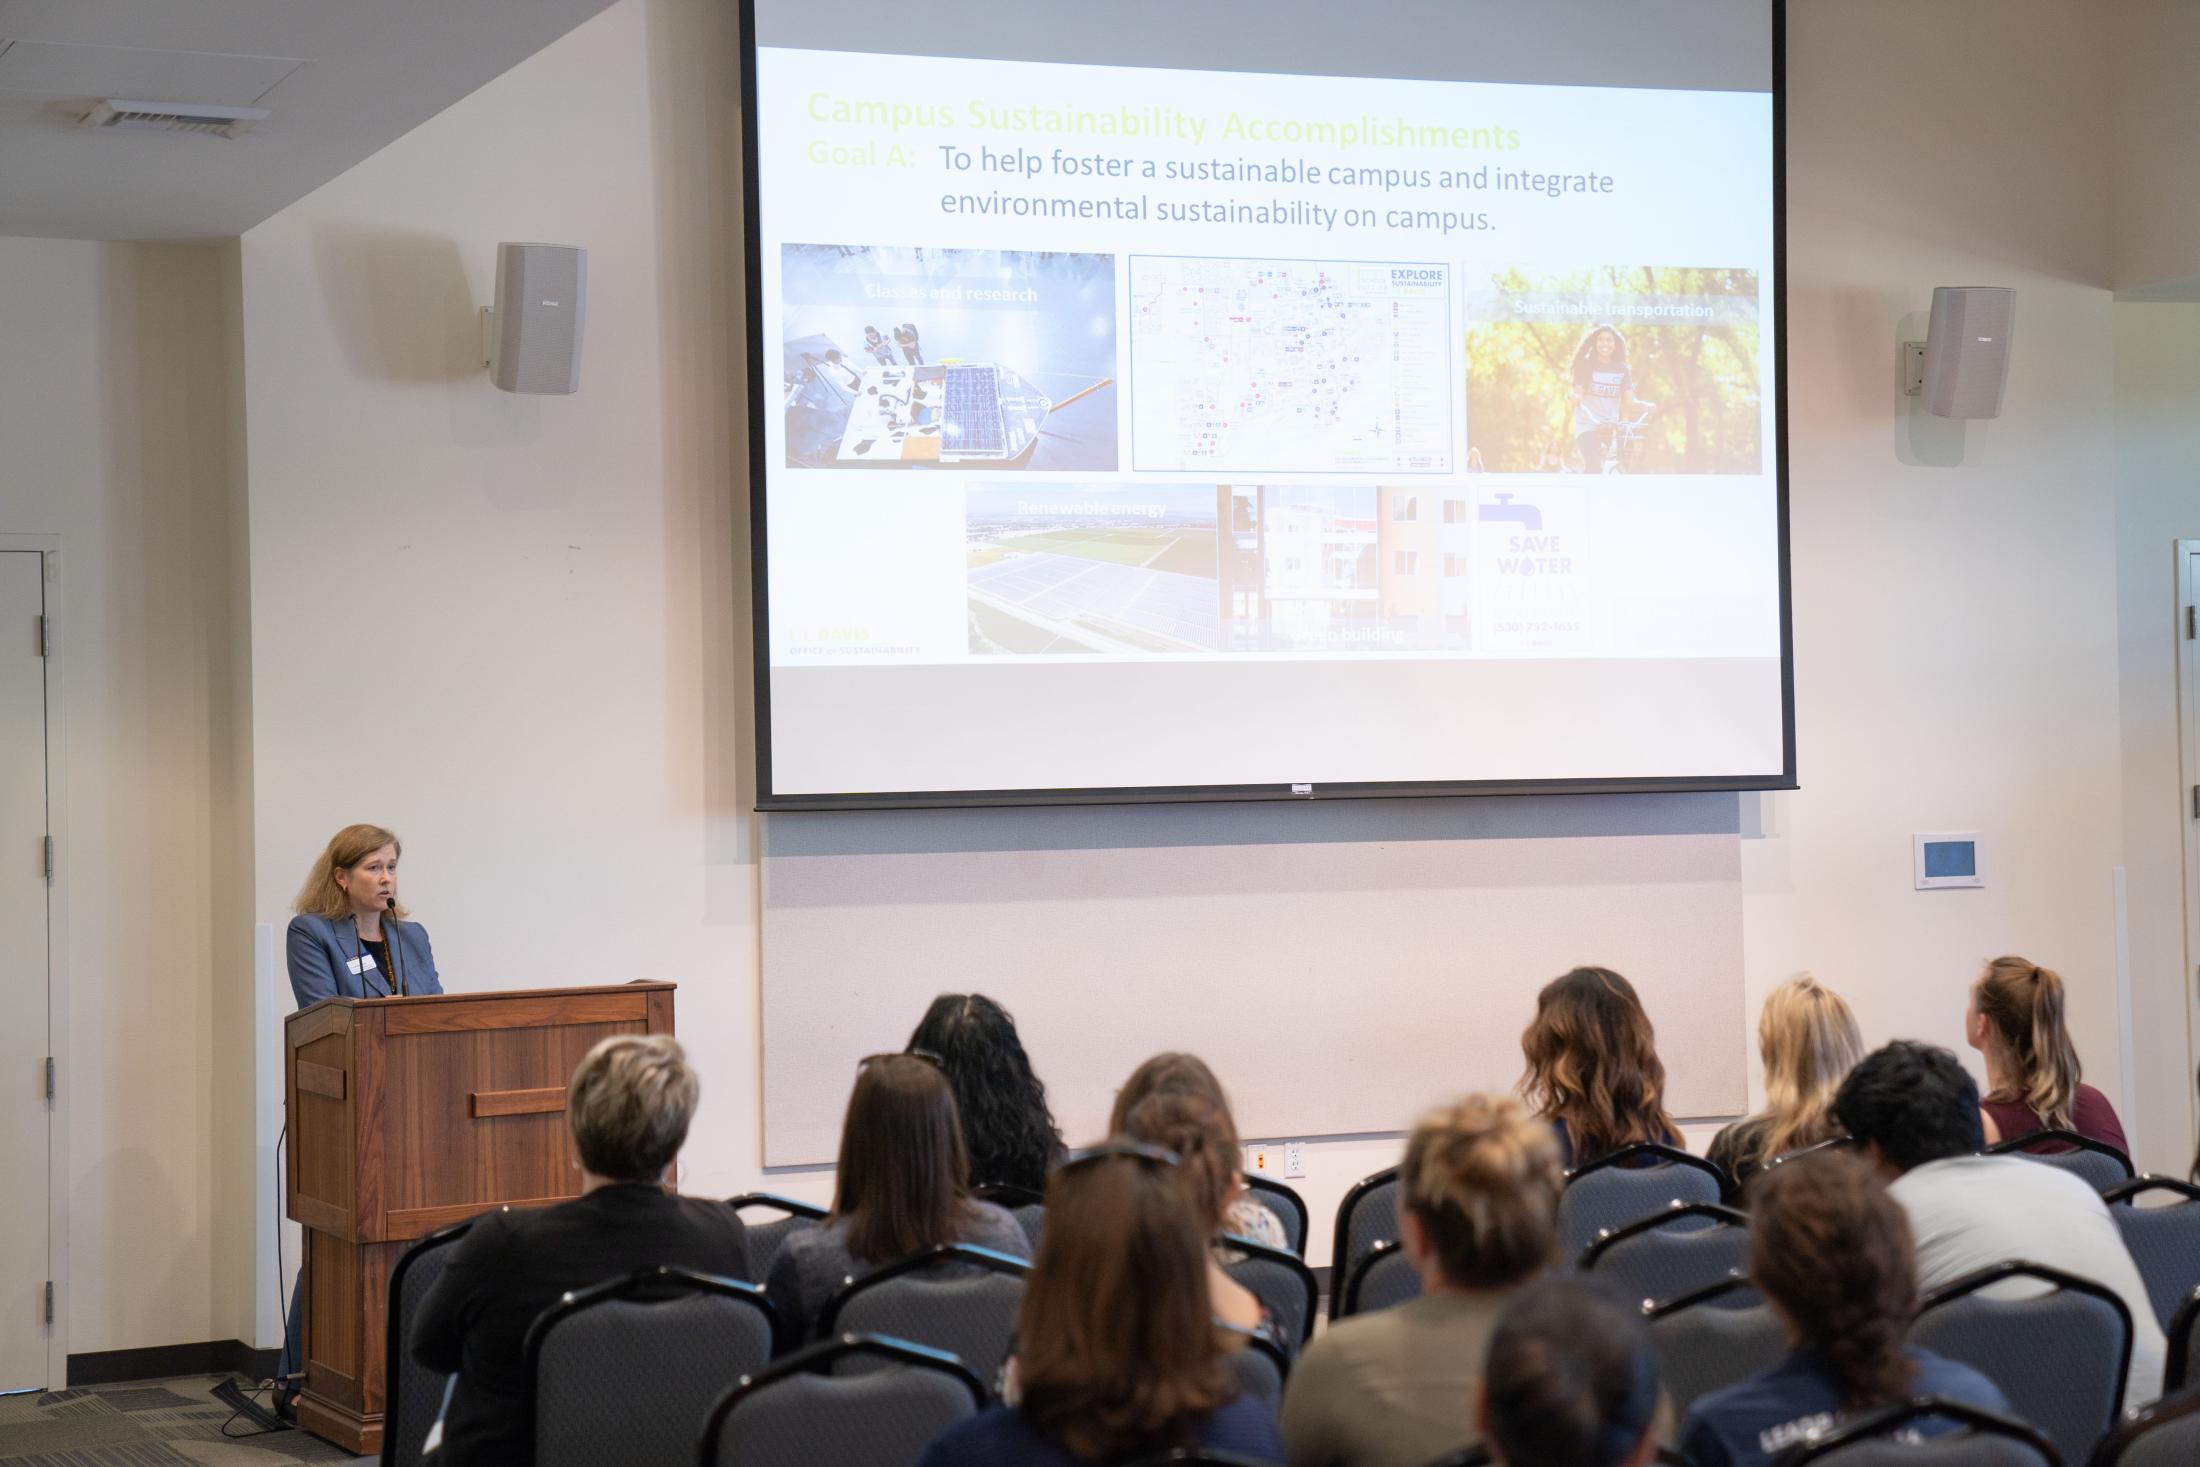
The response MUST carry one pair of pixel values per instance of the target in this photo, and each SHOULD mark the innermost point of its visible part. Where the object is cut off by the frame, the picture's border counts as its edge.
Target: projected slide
(1395, 409)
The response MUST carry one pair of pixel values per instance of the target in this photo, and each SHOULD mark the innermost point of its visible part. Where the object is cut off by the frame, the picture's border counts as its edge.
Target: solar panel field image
(1075, 569)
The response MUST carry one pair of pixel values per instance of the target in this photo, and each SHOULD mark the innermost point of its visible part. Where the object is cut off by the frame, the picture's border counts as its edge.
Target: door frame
(48, 548)
(2188, 761)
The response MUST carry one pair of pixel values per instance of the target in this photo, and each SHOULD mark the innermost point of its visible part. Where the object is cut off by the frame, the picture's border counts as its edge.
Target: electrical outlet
(1256, 1158)
(1294, 1159)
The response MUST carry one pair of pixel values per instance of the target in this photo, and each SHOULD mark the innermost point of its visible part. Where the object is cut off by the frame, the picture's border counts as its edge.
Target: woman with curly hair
(1830, 1250)
(1007, 1128)
(1593, 1069)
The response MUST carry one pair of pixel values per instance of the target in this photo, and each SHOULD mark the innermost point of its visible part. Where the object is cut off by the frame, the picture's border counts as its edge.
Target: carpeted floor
(145, 1423)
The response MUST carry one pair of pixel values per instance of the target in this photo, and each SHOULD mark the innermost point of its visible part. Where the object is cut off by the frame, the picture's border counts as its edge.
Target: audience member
(1593, 1069)
(1830, 1252)
(628, 1108)
(2015, 1019)
(1117, 1352)
(1808, 1041)
(1199, 1132)
(1478, 1196)
(902, 1186)
(1916, 1112)
(1174, 1071)
(1570, 1382)
(1007, 1128)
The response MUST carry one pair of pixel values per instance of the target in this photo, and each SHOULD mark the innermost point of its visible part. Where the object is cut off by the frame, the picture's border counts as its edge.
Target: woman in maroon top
(2015, 1019)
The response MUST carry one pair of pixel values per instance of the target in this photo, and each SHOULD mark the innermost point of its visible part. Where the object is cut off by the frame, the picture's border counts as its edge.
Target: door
(2188, 711)
(24, 993)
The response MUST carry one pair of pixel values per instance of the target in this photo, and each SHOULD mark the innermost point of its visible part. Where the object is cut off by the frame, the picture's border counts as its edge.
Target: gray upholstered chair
(2099, 1164)
(627, 1370)
(2182, 1367)
(414, 1394)
(803, 1411)
(1260, 1366)
(956, 1297)
(1883, 1438)
(1384, 1278)
(1282, 1282)
(766, 1236)
(1711, 1339)
(2164, 1239)
(2060, 1354)
(1633, 1182)
(2165, 1434)
(1366, 1218)
(1029, 1208)
(1689, 1246)
(1288, 1206)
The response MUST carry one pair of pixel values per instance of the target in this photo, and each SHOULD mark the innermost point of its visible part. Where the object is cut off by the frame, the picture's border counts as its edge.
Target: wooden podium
(408, 1115)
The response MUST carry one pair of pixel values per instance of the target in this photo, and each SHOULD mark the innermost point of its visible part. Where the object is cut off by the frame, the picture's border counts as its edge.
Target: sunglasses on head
(923, 1054)
(1128, 1150)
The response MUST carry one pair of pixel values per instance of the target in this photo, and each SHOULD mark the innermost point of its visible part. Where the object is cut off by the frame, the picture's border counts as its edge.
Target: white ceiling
(341, 79)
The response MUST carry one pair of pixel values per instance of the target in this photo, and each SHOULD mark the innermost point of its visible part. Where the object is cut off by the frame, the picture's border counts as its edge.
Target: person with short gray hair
(627, 1106)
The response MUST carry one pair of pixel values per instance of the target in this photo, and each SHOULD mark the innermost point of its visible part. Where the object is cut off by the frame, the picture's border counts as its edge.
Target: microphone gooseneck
(389, 936)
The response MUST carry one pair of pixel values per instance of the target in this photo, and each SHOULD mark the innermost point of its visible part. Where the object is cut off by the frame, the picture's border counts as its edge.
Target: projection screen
(1230, 400)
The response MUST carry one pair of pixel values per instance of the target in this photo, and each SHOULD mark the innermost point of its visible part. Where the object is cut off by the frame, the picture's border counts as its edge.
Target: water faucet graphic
(1505, 509)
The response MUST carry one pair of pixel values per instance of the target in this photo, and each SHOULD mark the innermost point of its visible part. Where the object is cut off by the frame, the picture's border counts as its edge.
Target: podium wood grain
(408, 1115)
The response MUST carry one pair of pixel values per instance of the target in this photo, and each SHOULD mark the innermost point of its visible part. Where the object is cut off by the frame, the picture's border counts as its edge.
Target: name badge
(363, 963)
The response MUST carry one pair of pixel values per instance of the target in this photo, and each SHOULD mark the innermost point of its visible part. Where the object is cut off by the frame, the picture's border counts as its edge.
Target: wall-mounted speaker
(1967, 350)
(542, 306)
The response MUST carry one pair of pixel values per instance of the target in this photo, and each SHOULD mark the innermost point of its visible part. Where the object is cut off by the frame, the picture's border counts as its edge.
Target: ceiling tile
(53, 69)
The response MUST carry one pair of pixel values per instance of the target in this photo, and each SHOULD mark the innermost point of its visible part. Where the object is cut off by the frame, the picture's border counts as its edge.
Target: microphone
(389, 931)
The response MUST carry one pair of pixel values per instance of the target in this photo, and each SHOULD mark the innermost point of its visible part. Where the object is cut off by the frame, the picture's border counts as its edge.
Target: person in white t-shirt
(1915, 1110)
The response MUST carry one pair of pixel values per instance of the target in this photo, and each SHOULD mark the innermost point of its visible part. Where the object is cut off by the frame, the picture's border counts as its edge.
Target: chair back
(2101, 1165)
(1282, 1282)
(1689, 1246)
(1210, 1456)
(803, 1411)
(2060, 1356)
(766, 1238)
(1882, 1438)
(955, 1298)
(1288, 1206)
(1630, 1183)
(1028, 1207)
(2182, 1366)
(1479, 1456)
(1259, 1364)
(2164, 1241)
(1367, 1216)
(413, 1395)
(2165, 1434)
(1832, 1143)
(1384, 1277)
(626, 1371)
(1713, 1338)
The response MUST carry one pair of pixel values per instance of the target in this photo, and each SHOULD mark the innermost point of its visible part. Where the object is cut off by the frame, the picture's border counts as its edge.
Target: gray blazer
(322, 952)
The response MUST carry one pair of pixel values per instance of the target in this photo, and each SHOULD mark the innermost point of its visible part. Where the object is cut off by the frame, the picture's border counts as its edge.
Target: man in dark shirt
(628, 1106)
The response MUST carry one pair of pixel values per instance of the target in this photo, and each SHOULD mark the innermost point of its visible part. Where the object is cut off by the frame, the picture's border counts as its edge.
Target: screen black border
(760, 647)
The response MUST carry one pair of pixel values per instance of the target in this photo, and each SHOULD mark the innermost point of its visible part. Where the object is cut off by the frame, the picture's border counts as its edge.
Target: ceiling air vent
(221, 122)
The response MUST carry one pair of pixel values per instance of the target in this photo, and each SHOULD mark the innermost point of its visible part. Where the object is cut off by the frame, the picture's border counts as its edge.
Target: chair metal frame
(664, 1280)
(2071, 1141)
(987, 1258)
(1295, 1264)
(817, 1359)
(1610, 1238)
(1654, 1310)
(1635, 1151)
(394, 1345)
(1341, 1266)
(1884, 1419)
(1360, 1271)
(1831, 1143)
(1290, 1198)
(2177, 1370)
(1192, 1456)
(2148, 1182)
(2173, 1407)
(1479, 1456)
(1008, 1195)
(793, 1206)
(1978, 1279)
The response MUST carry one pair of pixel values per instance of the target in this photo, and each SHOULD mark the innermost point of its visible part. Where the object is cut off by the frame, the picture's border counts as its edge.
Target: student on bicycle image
(1607, 414)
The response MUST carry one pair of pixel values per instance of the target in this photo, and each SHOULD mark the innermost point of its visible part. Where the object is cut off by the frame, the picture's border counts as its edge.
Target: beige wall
(115, 410)
(2156, 109)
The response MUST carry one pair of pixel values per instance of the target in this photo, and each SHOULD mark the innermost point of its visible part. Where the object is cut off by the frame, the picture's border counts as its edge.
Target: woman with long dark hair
(1117, 1355)
(902, 1186)
(1593, 1070)
(1006, 1125)
(1831, 1252)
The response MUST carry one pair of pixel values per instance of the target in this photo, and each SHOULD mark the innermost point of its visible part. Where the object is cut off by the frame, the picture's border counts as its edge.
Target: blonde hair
(1483, 1176)
(2024, 1003)
(323, 895)
(629, 1105)
(1809, 1042)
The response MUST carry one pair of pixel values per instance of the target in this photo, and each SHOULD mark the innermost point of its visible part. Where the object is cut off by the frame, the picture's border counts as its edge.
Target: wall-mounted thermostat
(1949, 858)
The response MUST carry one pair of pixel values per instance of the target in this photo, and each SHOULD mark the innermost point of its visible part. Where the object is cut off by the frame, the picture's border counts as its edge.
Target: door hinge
(49, 1301)
(49, 1077)
(49, 860)
(45, 637)
(2192, 623)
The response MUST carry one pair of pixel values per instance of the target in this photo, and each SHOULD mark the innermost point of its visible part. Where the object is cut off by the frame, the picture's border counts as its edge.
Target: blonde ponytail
(2025, 1003)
